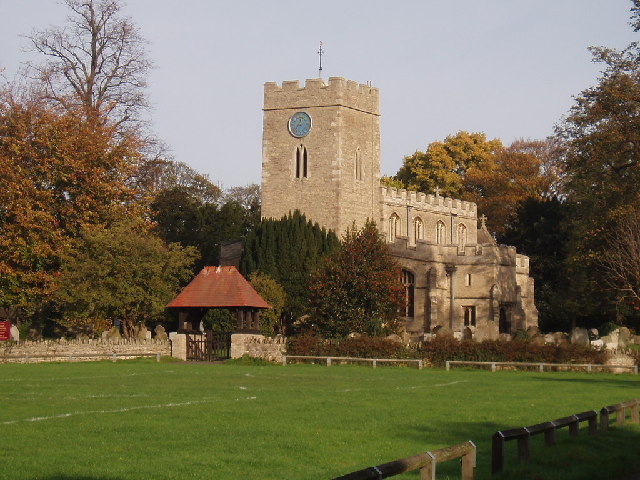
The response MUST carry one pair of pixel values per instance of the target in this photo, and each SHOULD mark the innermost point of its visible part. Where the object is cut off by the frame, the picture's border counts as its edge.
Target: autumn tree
(357, 289)
(96, 62)
(507, 178)
(58, 173)
(602, 167)
(273, 293)
(444, 164)
(121, 272)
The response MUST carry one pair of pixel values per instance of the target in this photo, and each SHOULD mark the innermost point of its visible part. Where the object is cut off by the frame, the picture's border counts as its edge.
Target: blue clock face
(299, 124)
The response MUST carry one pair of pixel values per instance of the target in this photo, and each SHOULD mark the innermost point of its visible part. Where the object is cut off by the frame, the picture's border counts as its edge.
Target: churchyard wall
(79, 349)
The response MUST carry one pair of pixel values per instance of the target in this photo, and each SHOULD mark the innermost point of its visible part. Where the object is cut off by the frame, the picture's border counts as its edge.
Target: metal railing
(425, 462)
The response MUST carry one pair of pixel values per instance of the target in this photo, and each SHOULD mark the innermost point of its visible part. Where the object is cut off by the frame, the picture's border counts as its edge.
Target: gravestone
(580, 336)
(14, 333)
(160, 332)
(467, 334)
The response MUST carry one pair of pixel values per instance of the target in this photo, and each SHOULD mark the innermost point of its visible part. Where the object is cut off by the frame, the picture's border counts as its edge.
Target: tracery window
(469, 316)
(462, 235)
(394, 227)
(302, 168)
(408, 282)
(440, 232)
(418, 229)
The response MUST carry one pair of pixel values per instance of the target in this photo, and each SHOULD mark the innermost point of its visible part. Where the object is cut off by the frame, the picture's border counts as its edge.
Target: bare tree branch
(96, 62)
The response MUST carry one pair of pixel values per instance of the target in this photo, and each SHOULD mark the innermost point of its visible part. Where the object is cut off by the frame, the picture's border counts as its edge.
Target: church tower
(321, 152)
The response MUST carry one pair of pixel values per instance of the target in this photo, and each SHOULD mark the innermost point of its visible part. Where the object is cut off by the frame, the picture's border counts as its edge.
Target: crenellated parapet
(427, 202)
(336, 92)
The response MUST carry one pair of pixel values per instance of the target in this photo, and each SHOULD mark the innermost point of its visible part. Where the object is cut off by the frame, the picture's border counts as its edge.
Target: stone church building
(321, 155)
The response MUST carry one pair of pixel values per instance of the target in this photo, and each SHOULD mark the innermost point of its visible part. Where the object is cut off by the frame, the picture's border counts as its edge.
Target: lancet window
(440, 232)
(418, 229)
(394, 227)
(301, 160)
(408, 282)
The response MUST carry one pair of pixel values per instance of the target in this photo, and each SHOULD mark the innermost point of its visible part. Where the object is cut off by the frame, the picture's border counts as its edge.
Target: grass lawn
(146, 420)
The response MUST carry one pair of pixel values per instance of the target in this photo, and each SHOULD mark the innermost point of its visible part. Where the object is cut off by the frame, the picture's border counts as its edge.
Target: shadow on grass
(588, 379)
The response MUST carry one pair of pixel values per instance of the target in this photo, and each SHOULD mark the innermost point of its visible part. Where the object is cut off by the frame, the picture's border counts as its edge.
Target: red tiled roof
(218, 287)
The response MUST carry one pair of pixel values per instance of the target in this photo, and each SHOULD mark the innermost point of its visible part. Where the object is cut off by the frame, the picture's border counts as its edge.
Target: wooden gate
(208, 346)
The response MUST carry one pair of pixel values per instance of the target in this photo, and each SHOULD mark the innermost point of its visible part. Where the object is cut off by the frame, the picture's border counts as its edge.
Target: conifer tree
(288, 250)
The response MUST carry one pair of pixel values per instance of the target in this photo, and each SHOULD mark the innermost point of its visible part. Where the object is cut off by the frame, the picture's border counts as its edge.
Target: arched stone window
(394, 227)
(358, 165)
(440, 233)
(462, 235)
(418, 229)
(408, 282)
(301, 160)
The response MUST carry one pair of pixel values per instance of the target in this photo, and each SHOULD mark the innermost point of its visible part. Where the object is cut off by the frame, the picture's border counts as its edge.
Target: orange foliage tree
(59, 172)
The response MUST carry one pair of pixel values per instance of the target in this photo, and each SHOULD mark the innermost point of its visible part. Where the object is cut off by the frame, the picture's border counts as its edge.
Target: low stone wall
(79, 350)
(258, 346)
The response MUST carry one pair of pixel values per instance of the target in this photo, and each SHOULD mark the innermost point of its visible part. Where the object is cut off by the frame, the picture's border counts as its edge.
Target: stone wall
(79, 350)
(258, 346)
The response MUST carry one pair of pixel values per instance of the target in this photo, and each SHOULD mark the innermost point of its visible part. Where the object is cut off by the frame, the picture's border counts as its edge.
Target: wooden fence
(620, 409)
(374, 361)
(589, 367)
(70, 357)
(425, 462)
(523, 435)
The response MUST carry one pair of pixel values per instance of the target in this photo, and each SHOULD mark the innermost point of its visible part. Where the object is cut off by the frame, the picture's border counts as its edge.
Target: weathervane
(320, 52)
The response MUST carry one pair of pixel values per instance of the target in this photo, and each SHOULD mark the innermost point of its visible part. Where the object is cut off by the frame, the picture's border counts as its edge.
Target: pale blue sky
(508, 68)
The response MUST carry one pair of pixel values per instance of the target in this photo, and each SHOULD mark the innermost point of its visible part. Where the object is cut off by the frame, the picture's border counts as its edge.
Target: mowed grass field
(146, 420)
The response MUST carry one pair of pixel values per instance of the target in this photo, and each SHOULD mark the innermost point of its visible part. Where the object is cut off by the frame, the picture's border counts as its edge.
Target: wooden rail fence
(523, 435)
(373, 361)
(620, 410)
(114, 356)
(425, 462)
(590, 367)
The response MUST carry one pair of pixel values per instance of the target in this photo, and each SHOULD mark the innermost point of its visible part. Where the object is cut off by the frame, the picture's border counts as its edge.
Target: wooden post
(158, 357)
(523, 448)
(284, 360)
(420, 364)
(114, 358)
(374, 363)
(469, 464)
(428, 472)
(604, 419)
(448, 367)
(497, 452)
(573, 427)
(593, 425)
(634, 412)
(542, 367)
(493, 366)
(328, 361)
(550, 435)
(620, 414)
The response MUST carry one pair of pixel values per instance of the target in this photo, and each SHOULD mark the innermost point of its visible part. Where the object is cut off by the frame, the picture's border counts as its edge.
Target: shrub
(440, 349)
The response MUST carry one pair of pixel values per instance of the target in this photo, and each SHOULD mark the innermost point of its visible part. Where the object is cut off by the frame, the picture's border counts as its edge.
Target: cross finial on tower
(320, 52)
(483, 221)
(437, 190)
